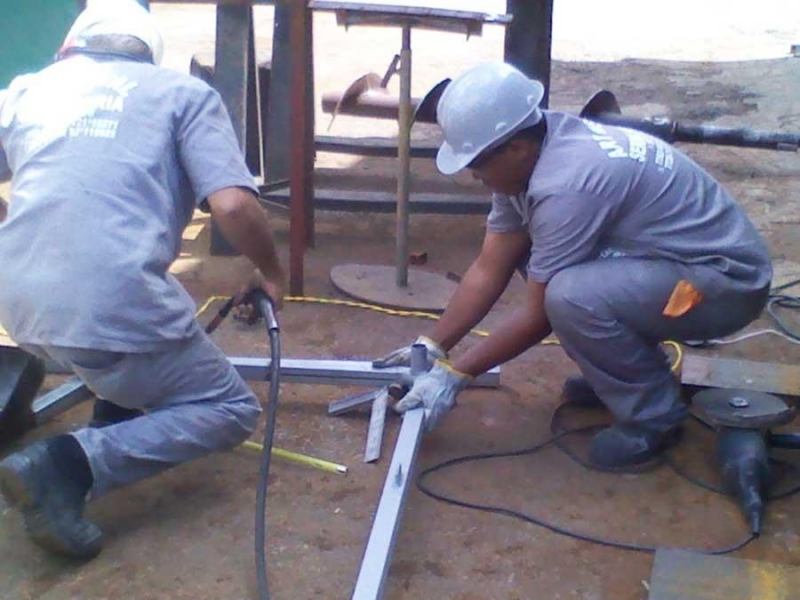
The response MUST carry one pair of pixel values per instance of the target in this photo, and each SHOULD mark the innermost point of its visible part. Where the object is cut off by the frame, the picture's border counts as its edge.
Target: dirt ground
(188, 533)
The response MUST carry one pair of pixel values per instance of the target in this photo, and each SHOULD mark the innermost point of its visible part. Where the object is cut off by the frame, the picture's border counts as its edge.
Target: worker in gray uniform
(626, 242)
(109, 155)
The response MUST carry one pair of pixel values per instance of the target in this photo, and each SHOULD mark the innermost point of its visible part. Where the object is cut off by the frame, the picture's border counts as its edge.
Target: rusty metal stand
(398, 286)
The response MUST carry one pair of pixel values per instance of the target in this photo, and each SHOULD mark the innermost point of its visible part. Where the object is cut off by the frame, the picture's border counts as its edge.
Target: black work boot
(577, 392)
(107, 413)
(48, 481)
(629, 444)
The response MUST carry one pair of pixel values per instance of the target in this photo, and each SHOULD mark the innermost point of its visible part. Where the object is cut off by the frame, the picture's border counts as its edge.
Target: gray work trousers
(607, 314)
(195, 400)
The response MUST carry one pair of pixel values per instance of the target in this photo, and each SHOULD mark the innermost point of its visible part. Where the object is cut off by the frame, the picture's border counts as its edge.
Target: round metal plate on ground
(377, 284)
(741, 408)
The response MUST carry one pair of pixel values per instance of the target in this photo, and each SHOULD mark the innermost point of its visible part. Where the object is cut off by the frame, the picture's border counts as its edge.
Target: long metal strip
(377, 420)
(377, 556)
(344, 372)
(61, 399)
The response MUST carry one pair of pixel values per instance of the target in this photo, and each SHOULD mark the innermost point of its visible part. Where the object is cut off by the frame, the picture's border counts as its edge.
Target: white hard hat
(116, 17)
(482, 108)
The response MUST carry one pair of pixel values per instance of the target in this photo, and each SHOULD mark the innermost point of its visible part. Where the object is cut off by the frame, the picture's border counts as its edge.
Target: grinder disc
(741, 408)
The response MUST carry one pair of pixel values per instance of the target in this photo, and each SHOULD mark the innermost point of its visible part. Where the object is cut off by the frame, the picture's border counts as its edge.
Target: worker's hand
(273, 287)
(402, 356)
(436, 391)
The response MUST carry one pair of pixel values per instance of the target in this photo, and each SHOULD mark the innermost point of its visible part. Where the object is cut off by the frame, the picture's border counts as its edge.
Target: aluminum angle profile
(378, 554)
(352, 372)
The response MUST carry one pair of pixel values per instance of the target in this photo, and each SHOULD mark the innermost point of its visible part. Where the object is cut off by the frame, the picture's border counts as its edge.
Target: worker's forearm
(247, 229)
(476, 294)
(514, 335)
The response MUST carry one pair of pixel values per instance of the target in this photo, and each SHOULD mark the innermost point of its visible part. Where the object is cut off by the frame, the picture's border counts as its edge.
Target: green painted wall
(31, 31)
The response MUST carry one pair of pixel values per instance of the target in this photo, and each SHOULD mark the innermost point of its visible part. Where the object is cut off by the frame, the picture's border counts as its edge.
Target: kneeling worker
(625, 240)
(109, 155)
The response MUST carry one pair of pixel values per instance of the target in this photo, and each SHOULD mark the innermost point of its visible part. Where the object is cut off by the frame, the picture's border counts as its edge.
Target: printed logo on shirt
(638, 144)
(89, 104)
(102, 109)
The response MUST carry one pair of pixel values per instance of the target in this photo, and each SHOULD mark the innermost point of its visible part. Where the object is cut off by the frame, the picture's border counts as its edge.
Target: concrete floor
(188, 533)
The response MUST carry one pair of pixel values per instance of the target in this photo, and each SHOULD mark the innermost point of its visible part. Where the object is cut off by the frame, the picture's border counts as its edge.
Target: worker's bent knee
(567, 298)
(248, 412)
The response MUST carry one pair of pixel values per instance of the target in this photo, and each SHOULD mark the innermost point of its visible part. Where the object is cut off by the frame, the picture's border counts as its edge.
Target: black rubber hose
(264, 304)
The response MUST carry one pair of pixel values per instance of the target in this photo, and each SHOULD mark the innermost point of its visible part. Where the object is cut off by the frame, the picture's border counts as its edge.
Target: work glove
(402, 356)
(436, 391)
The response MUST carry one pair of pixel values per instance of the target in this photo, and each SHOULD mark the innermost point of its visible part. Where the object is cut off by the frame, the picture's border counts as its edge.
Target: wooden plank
(682, 575)
(192, 231)
(730, 373)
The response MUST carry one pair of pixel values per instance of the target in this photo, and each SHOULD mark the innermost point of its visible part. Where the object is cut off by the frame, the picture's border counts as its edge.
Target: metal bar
(276, 150)
(355, 372)
(344, 372)
(386, 202)
(377, 420)
(252, 134)
(404, 162)
(308, 153)
(61, 399)
(372, 146)
(731, 373)
(377, 556)
(528, 40)
(349, 403)
(231, 60)
(325, 372)
(299, 147)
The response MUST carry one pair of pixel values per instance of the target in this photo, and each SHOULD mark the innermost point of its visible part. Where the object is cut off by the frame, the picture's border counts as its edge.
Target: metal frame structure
(314, 371)
(378, 553)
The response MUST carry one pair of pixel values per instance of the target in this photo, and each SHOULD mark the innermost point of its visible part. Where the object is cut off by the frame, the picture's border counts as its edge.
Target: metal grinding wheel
(741, 408)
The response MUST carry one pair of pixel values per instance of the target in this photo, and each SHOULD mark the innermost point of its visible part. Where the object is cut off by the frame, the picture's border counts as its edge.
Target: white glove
(436, 391)
(402, 356)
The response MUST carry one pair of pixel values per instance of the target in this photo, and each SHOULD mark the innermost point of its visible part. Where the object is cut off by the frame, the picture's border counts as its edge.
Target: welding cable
(558, 529)
(264, 305)
(776, 300)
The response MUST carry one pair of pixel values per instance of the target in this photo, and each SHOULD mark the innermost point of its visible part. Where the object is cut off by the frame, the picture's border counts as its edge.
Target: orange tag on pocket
(683, 299)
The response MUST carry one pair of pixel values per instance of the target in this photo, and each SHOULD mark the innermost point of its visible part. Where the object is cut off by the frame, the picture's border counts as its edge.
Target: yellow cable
(675, 367)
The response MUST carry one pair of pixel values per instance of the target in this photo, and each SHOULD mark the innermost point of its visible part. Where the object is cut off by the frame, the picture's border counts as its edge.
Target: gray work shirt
(599, 191)
(109, 161)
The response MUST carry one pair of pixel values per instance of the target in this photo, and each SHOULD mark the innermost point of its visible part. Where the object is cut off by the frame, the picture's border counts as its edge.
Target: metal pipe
(528, 40)
(673, 131)
(404, 159)
(231, 60)
(419, 359)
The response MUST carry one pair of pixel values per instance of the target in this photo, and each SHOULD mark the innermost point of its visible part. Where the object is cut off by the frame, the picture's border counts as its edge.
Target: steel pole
(529, 39)
(404, 159)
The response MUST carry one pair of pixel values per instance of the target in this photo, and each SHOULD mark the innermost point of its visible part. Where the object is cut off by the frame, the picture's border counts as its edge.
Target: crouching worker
(109, 155)
(626, 242)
